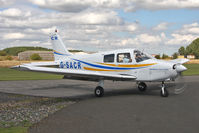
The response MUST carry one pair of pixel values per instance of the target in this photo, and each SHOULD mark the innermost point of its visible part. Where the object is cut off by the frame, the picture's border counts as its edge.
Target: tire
(142, 86)
(165, 94)
(99, 91)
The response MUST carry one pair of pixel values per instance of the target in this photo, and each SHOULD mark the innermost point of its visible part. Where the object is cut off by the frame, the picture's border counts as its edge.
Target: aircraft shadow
(74, 86)
(152, 90)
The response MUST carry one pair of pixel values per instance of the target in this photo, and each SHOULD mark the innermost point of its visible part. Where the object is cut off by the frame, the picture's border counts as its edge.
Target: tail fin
(59, 48)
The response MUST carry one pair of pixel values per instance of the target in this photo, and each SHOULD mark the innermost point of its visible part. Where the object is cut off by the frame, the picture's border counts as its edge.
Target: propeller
(179, 84)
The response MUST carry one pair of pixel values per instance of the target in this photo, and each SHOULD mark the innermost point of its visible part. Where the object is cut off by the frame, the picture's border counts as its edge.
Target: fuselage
(123, 62)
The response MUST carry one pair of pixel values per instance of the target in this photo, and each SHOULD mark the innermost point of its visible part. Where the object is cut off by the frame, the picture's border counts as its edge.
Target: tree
(193, 48)
(157, 56)
(175, 55)
(35, 57)
(3, 53)
(181, 51)
(164, 56)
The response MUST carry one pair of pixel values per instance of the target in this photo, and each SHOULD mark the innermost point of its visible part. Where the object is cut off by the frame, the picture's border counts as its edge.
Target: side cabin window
(124, 58)
(109, 58)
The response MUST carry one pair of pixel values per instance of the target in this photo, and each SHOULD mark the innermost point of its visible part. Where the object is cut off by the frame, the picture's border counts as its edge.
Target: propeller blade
(180, 84)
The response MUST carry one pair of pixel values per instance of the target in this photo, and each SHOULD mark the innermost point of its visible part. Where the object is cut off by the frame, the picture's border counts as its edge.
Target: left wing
(51, 63)
(74, 74)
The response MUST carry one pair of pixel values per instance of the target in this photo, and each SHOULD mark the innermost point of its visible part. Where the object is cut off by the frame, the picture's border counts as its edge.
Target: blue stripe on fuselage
(108, 67)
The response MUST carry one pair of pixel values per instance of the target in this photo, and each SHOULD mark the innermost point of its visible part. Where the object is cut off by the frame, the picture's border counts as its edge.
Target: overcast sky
(155, 26)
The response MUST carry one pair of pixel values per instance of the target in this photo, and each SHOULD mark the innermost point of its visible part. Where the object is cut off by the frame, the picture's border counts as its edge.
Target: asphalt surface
(123, 109)
(62, 88)
(129, 111)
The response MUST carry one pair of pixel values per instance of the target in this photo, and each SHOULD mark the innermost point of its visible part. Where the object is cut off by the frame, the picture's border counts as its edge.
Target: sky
(153, 26)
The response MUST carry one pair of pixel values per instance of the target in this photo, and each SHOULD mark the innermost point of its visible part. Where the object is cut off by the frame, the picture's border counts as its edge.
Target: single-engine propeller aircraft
(116, 65)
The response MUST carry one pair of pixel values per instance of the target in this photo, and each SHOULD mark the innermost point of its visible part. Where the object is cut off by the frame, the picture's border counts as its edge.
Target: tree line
(14, 51)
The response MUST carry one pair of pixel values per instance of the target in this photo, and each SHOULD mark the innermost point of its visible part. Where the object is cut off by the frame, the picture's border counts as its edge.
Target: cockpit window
(139, 56)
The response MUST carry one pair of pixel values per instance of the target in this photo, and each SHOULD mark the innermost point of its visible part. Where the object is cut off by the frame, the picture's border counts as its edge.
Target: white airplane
(116, 65)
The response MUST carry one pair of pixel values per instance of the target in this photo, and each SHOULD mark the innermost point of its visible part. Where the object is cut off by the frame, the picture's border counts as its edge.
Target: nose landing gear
(164, 92)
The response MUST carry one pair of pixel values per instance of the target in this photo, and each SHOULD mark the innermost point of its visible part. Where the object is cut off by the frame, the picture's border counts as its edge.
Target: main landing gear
(99, 90)
(142, 86)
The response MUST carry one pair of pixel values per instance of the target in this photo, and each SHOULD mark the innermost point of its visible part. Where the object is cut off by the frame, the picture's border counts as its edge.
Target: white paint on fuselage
(160, 71)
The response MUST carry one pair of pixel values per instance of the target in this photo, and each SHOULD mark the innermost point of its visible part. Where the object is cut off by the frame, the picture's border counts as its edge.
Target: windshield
(139, 56)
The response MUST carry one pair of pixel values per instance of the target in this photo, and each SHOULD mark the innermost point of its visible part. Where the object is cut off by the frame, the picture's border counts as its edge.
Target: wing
(74, 74)
(179, 61)
(51, 63)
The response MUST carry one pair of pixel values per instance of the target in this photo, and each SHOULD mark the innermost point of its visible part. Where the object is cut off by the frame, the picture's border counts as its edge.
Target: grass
(193, 69)
(10, 74)
(14, 130)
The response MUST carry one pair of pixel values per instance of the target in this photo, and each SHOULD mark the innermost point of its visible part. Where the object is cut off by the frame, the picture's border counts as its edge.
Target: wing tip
(20, 68)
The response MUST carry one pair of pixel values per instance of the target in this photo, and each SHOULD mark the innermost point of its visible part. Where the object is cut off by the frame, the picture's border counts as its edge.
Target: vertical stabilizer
(59, 48)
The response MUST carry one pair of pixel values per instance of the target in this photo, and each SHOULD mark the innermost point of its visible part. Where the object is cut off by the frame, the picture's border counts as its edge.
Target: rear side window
(109, 58)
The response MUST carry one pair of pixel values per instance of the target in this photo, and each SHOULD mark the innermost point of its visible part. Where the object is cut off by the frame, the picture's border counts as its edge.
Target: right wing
(75, 74)
(179, 61)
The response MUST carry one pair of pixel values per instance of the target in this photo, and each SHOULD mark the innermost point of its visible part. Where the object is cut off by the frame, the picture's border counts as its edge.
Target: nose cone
(180, 68)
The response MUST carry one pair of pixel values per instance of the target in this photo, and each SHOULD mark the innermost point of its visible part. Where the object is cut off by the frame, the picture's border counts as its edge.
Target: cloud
(142, 39)
(64, 5)
(13, 36)
(185, 35)
(14, 12)
(87, 29)
(90, 24)
(149, 39)
(131, 27)
(96, 18)
(179, 39)
(127, 5)
(161, 4)
(161, 26)
(77, 5)
(6, 3)
(189, 29)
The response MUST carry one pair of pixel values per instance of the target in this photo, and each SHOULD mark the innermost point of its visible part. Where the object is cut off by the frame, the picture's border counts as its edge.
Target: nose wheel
(164, 92)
